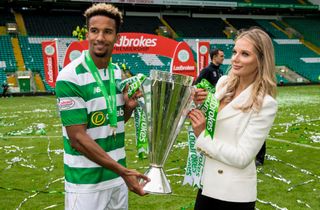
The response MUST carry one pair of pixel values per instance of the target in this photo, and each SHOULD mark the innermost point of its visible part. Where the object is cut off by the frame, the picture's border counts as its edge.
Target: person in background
(212, 72)
(93, 112)
(5, 88)
(245, 116)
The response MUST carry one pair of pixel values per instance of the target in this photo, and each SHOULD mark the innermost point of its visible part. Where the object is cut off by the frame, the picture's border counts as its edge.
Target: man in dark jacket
(212, 72)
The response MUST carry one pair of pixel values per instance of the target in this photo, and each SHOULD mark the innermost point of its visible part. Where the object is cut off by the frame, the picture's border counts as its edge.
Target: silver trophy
(166, 102)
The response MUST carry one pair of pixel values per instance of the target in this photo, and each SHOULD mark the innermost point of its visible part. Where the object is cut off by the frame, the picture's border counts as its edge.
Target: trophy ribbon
(195, 161)
(209, 107)
(139, 116)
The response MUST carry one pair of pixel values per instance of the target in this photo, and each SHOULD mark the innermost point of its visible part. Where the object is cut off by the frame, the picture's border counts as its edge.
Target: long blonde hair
(265, 81)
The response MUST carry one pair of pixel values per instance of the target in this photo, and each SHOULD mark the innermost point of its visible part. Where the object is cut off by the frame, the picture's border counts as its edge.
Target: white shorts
(109, 199)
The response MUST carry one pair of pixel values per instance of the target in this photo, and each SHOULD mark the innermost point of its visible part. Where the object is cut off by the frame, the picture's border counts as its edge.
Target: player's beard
(101, 55)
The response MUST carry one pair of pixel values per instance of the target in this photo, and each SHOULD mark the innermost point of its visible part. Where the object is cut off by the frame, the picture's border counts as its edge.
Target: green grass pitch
(31, 161)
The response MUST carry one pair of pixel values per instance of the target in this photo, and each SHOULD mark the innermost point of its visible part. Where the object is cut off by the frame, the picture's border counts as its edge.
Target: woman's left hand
(198, 121)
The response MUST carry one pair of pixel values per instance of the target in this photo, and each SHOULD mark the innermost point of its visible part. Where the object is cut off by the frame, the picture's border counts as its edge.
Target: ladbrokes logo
(135, 44)
(50, 69)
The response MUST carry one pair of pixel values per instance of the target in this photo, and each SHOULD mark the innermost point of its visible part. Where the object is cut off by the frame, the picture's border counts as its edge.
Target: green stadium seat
(309, 27)
(196, 27)
(52, 23)
(277, 1)
(6, 54)
(141, 24)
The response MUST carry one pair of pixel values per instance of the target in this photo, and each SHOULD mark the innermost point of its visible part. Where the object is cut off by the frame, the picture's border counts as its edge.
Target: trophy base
(159, 183)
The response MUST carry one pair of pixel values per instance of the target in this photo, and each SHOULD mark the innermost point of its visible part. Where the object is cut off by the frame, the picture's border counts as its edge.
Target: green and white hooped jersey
(81, 101)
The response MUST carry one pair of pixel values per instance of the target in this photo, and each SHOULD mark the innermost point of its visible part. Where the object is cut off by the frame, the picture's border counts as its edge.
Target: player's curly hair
(107, 10)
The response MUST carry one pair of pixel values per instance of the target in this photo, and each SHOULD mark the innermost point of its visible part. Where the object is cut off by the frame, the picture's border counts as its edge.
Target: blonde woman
(245, 115)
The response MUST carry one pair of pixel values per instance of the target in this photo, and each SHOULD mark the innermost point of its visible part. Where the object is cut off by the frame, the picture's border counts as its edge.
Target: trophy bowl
(166, 102)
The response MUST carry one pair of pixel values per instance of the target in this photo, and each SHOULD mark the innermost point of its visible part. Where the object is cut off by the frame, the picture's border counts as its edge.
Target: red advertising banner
(183, 62)
(203, 49)
(50, 60)
(182, 58)
(74, 51)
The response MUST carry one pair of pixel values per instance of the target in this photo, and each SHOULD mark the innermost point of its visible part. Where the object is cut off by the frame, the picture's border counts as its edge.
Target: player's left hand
(132, 102)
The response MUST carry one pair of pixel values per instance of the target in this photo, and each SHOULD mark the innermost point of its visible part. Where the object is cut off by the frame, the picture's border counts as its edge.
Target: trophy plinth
(167, 100)
(159, 183)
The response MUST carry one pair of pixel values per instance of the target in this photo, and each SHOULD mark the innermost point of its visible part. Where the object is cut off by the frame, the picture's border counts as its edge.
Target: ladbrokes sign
(141, 43)
(182, 58)
(50, 60)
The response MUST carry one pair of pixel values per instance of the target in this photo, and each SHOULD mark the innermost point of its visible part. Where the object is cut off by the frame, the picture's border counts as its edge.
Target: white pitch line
(30, 137)
(297, 122)
(130, 135)
(294, 143)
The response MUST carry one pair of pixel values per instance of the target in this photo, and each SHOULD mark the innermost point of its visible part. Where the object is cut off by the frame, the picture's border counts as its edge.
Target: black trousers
(261, 154)
(206, 203)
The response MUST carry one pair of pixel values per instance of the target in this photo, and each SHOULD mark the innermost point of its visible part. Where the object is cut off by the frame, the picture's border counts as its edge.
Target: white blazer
(229, 172)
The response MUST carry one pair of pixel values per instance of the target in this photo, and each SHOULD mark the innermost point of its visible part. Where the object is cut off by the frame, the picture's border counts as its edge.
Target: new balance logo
(96, 90)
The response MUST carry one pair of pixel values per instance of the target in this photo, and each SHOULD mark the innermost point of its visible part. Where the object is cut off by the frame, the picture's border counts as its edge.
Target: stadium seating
(196, 27)
(277, 1)
(141, 24)
(52, 24)
(297, 57)
(245, 23)
(225, 0)
(60, 24)
(241, 23)
(32, 54)
(7, 59)
(309, 27)
(268, 27)
(6, 17)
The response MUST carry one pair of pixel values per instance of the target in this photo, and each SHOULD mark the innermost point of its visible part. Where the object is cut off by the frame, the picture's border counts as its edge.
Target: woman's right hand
(198, 121)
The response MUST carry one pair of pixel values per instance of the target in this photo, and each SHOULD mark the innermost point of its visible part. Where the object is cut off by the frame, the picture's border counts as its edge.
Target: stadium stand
(196, 27)
(271, 27)
(140, 24)
(241, 23)
(309, 27)
(6, 16)
(190, 24)
(293, 54)
(52, 23)
(32, 53)
(279, 1)
(7, 59)
(225, 0)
